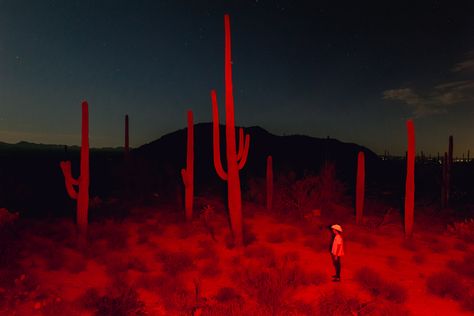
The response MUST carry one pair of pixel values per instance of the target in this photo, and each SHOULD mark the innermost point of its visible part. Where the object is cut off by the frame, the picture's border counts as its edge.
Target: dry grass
(446, 284)
(371, 280)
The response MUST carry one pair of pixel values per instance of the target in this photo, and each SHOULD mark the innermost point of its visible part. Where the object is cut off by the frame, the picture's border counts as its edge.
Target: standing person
(337, 251)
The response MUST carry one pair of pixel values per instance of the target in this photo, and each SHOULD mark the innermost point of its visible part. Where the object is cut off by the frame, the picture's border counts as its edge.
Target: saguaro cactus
(449, 169)
(269, 183)
(126, 147)
(188, 173)
(444, 184)
(82, 195)
(235, 161)
(410, 181)
(360, 186)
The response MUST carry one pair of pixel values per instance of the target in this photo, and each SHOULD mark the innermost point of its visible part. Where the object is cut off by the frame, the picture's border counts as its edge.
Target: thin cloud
(466, 65)
(436, 100)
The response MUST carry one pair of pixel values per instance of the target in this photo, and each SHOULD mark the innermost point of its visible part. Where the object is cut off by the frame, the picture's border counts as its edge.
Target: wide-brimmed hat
(337, 227)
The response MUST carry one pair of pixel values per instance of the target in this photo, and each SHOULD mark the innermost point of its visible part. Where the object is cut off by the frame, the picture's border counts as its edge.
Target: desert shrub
(249, 237)
(419, 258)
(23, 288)
(467, 302)
(89, 299)
(226, 294)
(366, 240)
(54, 307)
(461, 246)
(75, 262)
(464, 267)
(261, 253)
(175, 262)
(210, 269)
(276, 237)
(392, 261)
(337, 302)
(299, 196)
(233, 308)
(410, 245)
(315, 278)
(383, 308)
(125, 303)
(113, 233)
(463, 230)
(271, 286)
(317, 244)
(7, 218)
(436, 245)
(207, 251)
(137, 264)
(377, 286)
(446, 284)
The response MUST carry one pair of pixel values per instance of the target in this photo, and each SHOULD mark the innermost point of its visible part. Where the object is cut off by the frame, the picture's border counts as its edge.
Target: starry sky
(353, 71)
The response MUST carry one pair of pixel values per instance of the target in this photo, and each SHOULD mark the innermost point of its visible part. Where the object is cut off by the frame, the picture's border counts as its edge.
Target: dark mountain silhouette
(32, 182)
(158, 164)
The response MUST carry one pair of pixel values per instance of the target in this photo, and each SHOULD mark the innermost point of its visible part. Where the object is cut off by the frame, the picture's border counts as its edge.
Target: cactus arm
(70, 182)
(245, 153)
(241, 144)
(216, 140)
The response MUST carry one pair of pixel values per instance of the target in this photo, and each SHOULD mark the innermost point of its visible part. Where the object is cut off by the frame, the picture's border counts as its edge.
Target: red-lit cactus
(410, 181)
(235, 160)
(188, 173)
(269, 183)
(360, 187)
(126, 147)
(82, 194)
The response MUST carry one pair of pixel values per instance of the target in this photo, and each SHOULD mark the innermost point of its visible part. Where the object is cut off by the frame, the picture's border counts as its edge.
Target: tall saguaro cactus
(410, 181)
(444, 184)
(235, 160)
(269, 182)
(360, 186)
(82, 183)
(126, 147)
(188, 173)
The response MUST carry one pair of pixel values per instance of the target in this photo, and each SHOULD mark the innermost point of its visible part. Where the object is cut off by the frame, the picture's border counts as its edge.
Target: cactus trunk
(188, 173)
(449, 169)
(126, 147)
(235, 161)
(269, 183)
(360, 187)
(444, 182)
(410, 181)
(82, 195)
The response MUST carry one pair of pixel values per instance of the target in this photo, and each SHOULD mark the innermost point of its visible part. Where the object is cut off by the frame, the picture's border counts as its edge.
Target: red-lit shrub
(124, 302)
(271, 286)
(464, 267)
(446, 284)
(366, 240)
(377, 286)
(262, 254)
(227, 294)
(175, 262)
(337, 302)
(419, 258)
(210, 270)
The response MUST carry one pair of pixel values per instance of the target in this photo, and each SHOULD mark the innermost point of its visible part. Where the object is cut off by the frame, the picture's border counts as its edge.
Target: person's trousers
(336, 261)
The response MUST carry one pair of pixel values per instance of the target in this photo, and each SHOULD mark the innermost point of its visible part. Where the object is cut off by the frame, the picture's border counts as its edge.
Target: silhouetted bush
(210, 270)
(463, 230)
(299, 196)
(419, 258)
(377, 286)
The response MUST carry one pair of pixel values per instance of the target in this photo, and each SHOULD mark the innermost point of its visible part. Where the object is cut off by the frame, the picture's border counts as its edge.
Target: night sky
(351, 71)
